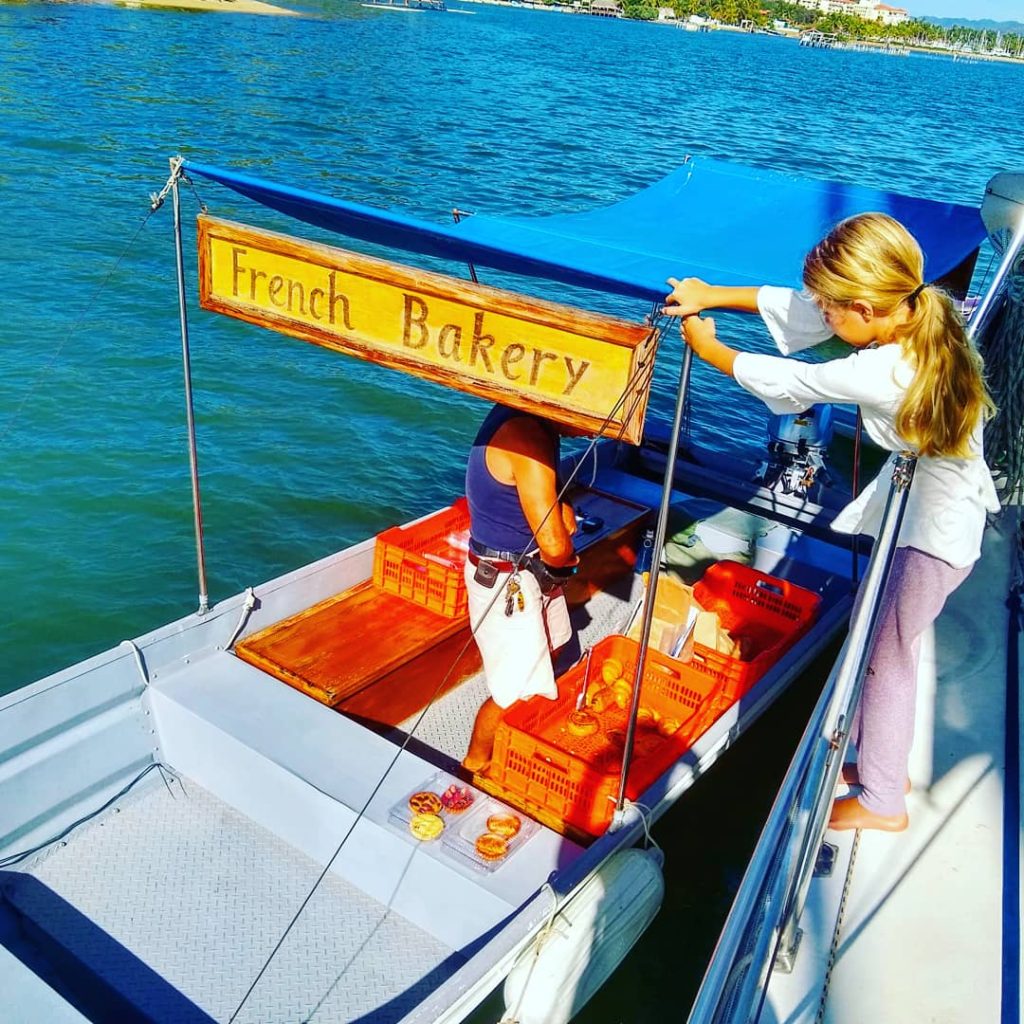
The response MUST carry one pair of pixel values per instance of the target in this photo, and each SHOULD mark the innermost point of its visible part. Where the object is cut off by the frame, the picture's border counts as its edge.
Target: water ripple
(508, 111)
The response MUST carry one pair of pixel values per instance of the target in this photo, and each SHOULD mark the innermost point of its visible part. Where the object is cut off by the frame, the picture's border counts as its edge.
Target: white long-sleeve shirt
(949, 498)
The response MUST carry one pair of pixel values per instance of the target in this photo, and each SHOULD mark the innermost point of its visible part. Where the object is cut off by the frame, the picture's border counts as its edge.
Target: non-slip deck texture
(176, 901)
(448, 722)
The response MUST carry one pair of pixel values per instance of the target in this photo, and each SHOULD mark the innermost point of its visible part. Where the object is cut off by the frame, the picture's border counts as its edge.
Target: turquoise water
(301, 451)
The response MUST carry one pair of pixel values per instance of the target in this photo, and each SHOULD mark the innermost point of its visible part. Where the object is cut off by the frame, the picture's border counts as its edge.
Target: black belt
(498, 563)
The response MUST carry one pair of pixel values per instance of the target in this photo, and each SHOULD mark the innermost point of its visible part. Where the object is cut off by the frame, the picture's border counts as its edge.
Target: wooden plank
(346, 643)
(380, 658)
(397, 696)
(575, 367)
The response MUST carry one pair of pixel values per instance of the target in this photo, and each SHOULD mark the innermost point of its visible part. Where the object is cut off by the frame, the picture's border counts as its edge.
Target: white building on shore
(867, 10)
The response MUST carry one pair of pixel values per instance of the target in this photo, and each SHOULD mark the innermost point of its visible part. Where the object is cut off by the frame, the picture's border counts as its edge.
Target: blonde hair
(873, 258)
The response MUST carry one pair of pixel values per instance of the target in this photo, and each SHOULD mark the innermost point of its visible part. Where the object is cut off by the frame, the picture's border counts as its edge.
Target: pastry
(582, 723)
(622, 691)
(456, 799)
(506, 825)
(669, 726)
(611, 670)
(491, 847)
(426, 826)
(424, 803)
(603, 699)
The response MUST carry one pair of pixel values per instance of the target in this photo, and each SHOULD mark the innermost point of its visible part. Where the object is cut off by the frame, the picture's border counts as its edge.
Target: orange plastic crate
(420, 563)
(765, 614)
(541, 768)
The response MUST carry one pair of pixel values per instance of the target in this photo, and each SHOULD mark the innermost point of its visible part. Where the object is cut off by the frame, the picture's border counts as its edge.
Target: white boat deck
(167, 902)
(931, 912)
(175, 900)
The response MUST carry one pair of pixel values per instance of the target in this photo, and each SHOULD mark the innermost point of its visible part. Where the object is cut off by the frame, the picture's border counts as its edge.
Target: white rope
(538, 945)
(247, 607)
(644, 820)
(138, 659)
(156, 199)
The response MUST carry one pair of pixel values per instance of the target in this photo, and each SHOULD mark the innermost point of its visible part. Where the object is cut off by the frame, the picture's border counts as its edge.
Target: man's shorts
(516, 649)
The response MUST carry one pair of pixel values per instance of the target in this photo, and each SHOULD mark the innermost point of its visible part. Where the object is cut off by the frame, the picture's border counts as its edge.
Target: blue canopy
(723, 222)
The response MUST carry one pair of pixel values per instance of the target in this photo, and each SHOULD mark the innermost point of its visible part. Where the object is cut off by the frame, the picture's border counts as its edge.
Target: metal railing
(762, 924)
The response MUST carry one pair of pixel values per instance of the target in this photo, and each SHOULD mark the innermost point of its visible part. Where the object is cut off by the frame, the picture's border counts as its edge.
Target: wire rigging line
(165, 773)
(1003, 348)
(645, 368)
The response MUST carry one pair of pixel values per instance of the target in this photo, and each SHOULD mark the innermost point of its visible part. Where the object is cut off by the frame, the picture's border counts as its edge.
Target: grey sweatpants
(883, 727)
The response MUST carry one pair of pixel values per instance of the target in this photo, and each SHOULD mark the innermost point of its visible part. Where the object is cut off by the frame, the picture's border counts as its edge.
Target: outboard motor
(797, 445)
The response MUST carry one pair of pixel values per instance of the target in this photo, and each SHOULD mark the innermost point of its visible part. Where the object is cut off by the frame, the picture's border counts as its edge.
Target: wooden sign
(565, 364)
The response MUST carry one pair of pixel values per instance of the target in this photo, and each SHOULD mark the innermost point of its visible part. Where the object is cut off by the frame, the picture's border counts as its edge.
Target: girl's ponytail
(947, 398)
(872, 256)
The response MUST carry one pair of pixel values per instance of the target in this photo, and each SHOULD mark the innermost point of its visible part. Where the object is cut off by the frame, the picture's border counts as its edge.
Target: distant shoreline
(228, 6)
(865, 45)
(262, 7)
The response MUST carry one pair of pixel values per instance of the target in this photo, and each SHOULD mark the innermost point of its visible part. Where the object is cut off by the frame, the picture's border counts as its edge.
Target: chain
(840, 917)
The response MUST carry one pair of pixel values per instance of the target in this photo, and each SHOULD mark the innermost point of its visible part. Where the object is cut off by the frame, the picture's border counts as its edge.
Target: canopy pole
(619, 818)
(193, 459)
(858, 432)
(990, 300)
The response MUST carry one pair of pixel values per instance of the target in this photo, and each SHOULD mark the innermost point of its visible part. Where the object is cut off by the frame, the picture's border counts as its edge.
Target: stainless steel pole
(652, 585)
(193, 460)
(849, 682)
(858, 433)
(775, 884)
(988, 302)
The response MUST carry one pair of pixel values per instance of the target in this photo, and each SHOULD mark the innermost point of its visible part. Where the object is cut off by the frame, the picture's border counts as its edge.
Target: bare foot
(851, 776)
(476, 766)
(849, 813)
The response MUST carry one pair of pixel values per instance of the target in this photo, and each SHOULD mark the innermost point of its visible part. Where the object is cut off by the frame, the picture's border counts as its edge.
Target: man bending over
(519, 617)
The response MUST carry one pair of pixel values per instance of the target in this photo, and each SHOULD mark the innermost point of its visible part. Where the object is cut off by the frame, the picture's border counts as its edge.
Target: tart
(426, 826)
(455, 799)
(491, 847)
(505, 825)
(424, 803)
(611, 670)
(582, 723)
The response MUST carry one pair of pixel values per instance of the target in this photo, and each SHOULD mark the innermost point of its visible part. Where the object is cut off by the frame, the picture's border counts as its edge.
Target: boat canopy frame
(704, 219)
(622, 249)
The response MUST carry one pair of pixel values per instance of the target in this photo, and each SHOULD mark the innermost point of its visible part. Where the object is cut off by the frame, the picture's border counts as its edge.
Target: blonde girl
(919, 384)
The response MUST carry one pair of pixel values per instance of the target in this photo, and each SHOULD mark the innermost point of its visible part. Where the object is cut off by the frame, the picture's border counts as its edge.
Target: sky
(969, 10)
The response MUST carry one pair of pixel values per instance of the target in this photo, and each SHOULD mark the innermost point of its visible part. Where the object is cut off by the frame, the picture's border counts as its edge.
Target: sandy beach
(230, 6)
